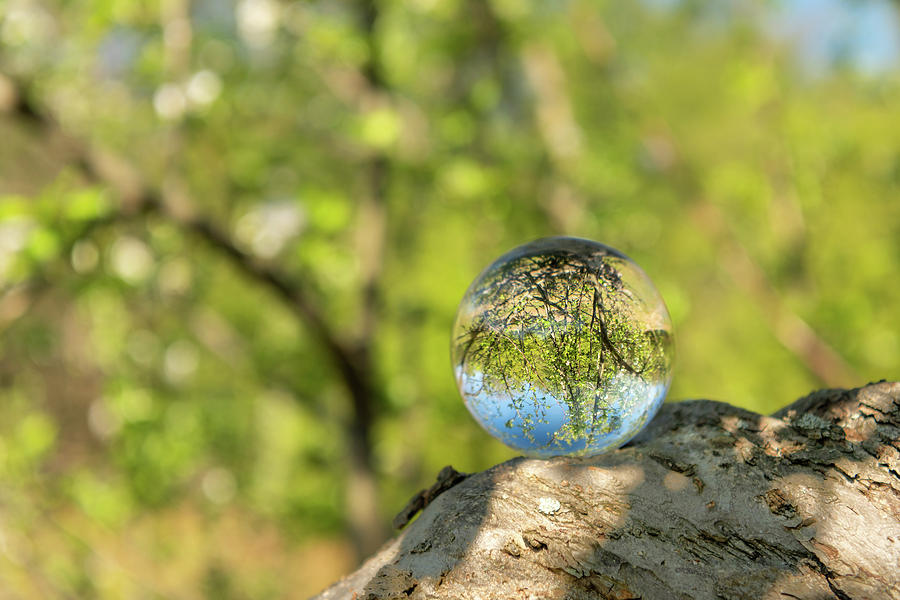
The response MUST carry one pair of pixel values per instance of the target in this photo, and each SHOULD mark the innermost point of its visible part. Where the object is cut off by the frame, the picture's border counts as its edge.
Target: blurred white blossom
(258, 21)
(169, 101)
(180, 361)
(268, 228)
(203, 88)
(131, 259)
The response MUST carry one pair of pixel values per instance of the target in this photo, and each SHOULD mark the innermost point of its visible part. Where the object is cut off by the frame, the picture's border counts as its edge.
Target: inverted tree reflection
(562, 346)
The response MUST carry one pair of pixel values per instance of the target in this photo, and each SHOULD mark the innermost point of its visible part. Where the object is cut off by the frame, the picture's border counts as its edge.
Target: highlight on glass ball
(562, 346)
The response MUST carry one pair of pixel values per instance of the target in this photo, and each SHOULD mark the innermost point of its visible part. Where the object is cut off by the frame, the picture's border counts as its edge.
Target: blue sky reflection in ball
(562, 346)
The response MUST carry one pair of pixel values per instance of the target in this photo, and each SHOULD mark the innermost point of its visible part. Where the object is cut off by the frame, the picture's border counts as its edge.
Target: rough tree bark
(710, 501)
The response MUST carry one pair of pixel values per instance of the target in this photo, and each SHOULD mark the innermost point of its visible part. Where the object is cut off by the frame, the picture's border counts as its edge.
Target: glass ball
(562, 346)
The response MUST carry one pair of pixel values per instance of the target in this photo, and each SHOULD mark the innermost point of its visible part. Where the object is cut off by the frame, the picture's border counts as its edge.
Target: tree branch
(139, 199)
(709, 502)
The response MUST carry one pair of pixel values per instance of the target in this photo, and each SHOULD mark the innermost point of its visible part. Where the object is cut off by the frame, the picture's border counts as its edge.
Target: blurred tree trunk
(363, 515)
(711, 501)
(366, 528)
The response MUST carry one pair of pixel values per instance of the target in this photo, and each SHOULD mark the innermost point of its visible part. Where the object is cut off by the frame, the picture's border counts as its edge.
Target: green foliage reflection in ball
(562, 346)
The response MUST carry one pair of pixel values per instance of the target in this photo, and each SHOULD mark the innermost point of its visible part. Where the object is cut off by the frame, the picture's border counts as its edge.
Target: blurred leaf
(43, 244)
(86, 204)
(380, 128)
(34, 437)
(14, 207)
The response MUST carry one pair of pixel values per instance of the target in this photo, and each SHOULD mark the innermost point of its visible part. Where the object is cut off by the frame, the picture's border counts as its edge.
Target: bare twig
(446, 479)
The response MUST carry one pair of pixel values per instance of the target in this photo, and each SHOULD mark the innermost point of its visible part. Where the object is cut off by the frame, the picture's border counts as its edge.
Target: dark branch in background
(289, 290)
(352, 356)
(372, 69)
(145, 201)
(18, 299)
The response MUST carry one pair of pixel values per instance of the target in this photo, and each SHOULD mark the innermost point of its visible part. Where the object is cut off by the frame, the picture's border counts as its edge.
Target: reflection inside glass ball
(562, 347)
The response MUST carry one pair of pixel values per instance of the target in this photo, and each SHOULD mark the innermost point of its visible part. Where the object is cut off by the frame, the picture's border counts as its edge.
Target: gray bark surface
(710, 501)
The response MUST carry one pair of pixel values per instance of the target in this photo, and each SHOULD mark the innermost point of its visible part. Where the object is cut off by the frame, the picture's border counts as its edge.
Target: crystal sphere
(562, 346)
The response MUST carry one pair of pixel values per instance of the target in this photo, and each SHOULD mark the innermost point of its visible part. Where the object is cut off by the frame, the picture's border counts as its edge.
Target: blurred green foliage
(169, 427)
